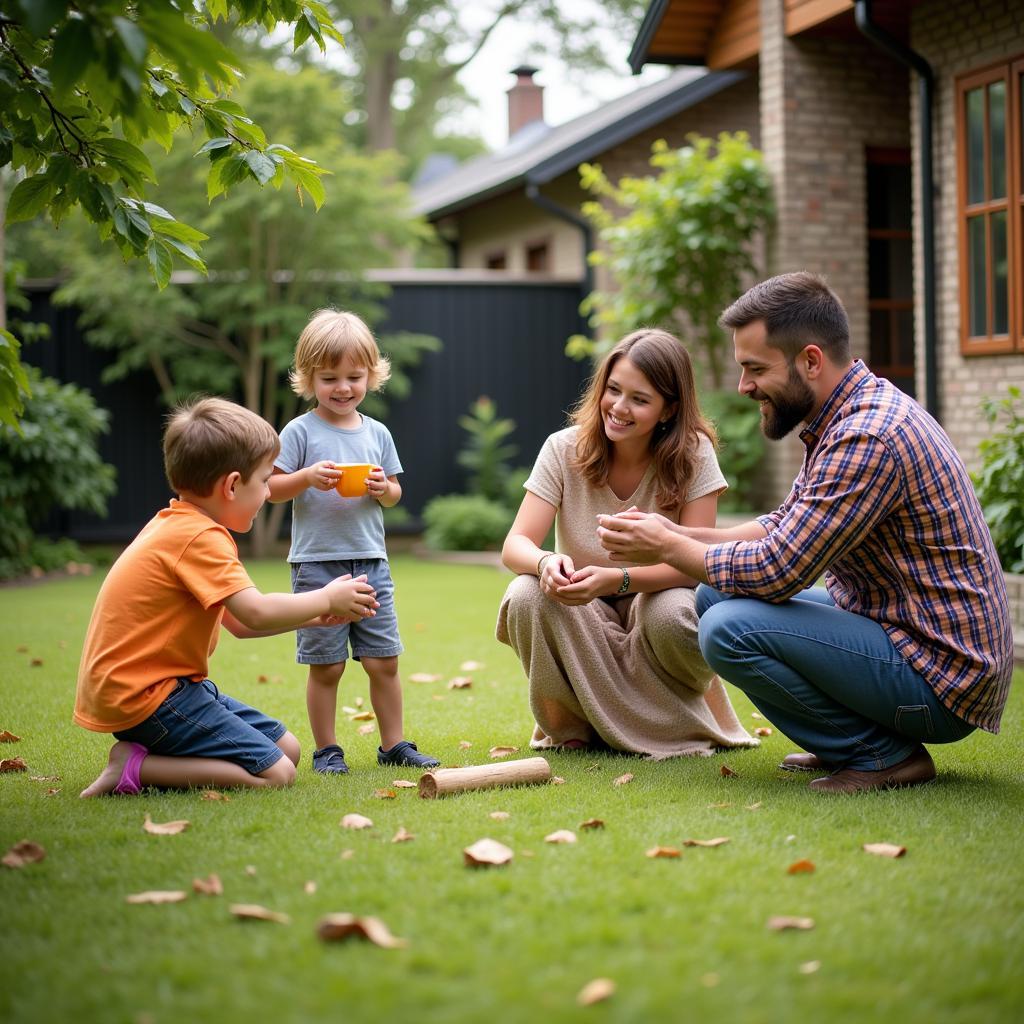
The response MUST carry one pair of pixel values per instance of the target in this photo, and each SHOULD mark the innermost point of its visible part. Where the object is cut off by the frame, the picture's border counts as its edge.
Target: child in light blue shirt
(337, 362)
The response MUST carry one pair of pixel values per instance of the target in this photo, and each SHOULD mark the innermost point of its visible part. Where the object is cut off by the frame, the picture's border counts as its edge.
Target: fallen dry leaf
(437, 696)
(779, 924)
(22, 853)
(309, 888)
(592, 823)
(13, 764)
(36, 662)
(356, 821)
(262, 678)
(21, 649)
(346, 854)
(52, 791)
(755, 714)
(214, 794)
(385, 794)
(499, 815)
(710, 980)
(753, 807)
(460, 683)
(471, 666)
(365, 730)
(254, 912)
(335, 927)
(402, 835)
(801, 867)
(157, 896)
(45, 778)
(464, 744)
(346, 710)
(167, 828)
(556, 780)
(423, 677)
(884, 849)
(663, 851)
(727, 772)
(717, 841)
(403, 784)
(363, 716)
(596, 991)
(9, 737)
(763, 731)
(209, 886)
(486, 852)
(809, 967)
(717, 807)
(250, 870)
(358, 702)
(562, 835)
(502, 751)
(623, 779)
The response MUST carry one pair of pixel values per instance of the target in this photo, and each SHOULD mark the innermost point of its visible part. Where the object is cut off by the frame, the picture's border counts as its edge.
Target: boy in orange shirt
(143, 674)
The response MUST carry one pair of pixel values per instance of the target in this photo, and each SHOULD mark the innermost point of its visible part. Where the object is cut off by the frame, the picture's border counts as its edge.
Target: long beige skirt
(628, 670)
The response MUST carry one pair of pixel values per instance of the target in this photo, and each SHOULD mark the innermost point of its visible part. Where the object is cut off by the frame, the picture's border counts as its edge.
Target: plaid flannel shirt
(884, 507)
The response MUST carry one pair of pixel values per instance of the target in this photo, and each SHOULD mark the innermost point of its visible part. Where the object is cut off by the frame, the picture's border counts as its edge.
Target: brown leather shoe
(801, 762)
(911, 771)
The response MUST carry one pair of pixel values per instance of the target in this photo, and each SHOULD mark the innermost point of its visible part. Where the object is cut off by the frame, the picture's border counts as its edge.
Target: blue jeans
(829, 679)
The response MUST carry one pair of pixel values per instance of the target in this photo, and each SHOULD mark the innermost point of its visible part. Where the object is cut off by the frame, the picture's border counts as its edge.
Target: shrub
(486, 453)
(465, 522)
(741, 450)
(1000, 481)
(52, 463)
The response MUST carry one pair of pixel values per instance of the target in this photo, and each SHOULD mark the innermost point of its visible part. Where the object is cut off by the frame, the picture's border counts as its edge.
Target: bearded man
(909, 641)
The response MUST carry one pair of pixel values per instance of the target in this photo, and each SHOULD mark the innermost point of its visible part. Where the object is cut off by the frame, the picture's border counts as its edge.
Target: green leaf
(29, 198)
(188, 254)
(42, 15)
(126, 155)
(133, 39)
(311, 183)
(160, 263)
(73, 52)
(219, 143)
(262, 167)
(182, 232)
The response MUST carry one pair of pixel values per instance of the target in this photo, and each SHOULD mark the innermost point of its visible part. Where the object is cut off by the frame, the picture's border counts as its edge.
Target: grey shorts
(375, 637)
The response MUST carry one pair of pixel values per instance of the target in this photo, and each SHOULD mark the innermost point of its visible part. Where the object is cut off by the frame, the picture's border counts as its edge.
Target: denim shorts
(196, 720)
(375, 637)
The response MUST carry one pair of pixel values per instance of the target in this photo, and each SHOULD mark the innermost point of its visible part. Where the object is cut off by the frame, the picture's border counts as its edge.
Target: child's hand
(326, 620)
(323, 476)
(352, 599)
(376, 483)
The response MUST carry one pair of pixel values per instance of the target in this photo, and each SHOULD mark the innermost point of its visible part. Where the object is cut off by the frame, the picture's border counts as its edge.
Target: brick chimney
(525, 100)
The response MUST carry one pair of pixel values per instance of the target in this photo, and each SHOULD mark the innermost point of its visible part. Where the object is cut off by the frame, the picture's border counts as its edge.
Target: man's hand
(351, 599)
(637, 538)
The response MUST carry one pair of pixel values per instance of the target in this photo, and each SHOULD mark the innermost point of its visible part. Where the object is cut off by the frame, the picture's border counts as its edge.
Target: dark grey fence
(502, 337)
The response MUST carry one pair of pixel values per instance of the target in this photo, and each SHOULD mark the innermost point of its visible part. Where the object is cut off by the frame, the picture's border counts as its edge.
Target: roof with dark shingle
(539, 153)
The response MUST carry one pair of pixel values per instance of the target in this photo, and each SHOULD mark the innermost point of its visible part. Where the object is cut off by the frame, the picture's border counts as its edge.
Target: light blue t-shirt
(325, 526)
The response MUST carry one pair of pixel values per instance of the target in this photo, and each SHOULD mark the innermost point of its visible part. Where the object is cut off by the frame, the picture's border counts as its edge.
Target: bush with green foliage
(51, 463)
(465, 522)
(999, 482)
(478, 521)
(741, 445)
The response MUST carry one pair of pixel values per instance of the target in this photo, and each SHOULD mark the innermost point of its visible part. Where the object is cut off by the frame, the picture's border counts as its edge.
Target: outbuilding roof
(539, 153)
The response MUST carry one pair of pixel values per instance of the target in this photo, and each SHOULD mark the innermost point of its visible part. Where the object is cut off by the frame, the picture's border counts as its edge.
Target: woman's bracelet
(543, 558)
(625, 582)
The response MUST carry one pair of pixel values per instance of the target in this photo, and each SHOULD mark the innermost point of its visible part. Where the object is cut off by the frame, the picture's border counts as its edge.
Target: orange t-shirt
(157, 617)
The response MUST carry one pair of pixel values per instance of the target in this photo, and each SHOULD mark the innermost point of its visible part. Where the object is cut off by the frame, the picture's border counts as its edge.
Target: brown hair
(798, 310)
(210, 437)
(330, 335)
(664, 361)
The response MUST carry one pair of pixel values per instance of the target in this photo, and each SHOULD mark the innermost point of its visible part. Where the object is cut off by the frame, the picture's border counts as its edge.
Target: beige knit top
(557, 479)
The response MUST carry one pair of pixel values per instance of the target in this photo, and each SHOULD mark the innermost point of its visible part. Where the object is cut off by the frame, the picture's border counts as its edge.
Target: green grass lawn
(937, 935)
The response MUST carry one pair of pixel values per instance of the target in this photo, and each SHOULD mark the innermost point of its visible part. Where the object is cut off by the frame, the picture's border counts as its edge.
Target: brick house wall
(958, 36)
(823, 101)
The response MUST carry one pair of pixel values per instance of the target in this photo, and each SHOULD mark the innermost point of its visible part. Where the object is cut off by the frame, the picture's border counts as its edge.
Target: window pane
(905, 337)
(975, 145)
(1000, 314)
(976, 314)
(997, 139)
(880, 341)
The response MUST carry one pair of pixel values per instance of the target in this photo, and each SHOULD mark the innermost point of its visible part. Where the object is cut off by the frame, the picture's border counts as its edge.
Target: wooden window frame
(533, 245)
(1011, 72)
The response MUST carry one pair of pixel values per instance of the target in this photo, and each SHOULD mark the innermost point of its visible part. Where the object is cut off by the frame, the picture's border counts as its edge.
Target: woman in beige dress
(611, 652)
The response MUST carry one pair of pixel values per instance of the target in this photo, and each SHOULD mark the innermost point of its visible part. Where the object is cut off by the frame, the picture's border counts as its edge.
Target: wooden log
(442, 781)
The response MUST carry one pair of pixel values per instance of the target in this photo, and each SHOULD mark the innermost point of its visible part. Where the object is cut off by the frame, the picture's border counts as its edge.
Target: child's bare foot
(111, 774)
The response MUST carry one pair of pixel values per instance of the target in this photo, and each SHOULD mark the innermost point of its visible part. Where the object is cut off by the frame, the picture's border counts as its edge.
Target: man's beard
(780, 415)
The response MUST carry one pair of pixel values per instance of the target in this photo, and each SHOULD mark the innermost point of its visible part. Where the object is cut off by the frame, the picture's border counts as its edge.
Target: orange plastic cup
(353, 478)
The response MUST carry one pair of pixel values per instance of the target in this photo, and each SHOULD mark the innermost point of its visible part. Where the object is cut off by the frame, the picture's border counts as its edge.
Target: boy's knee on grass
(290, 745)
(280, 773)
